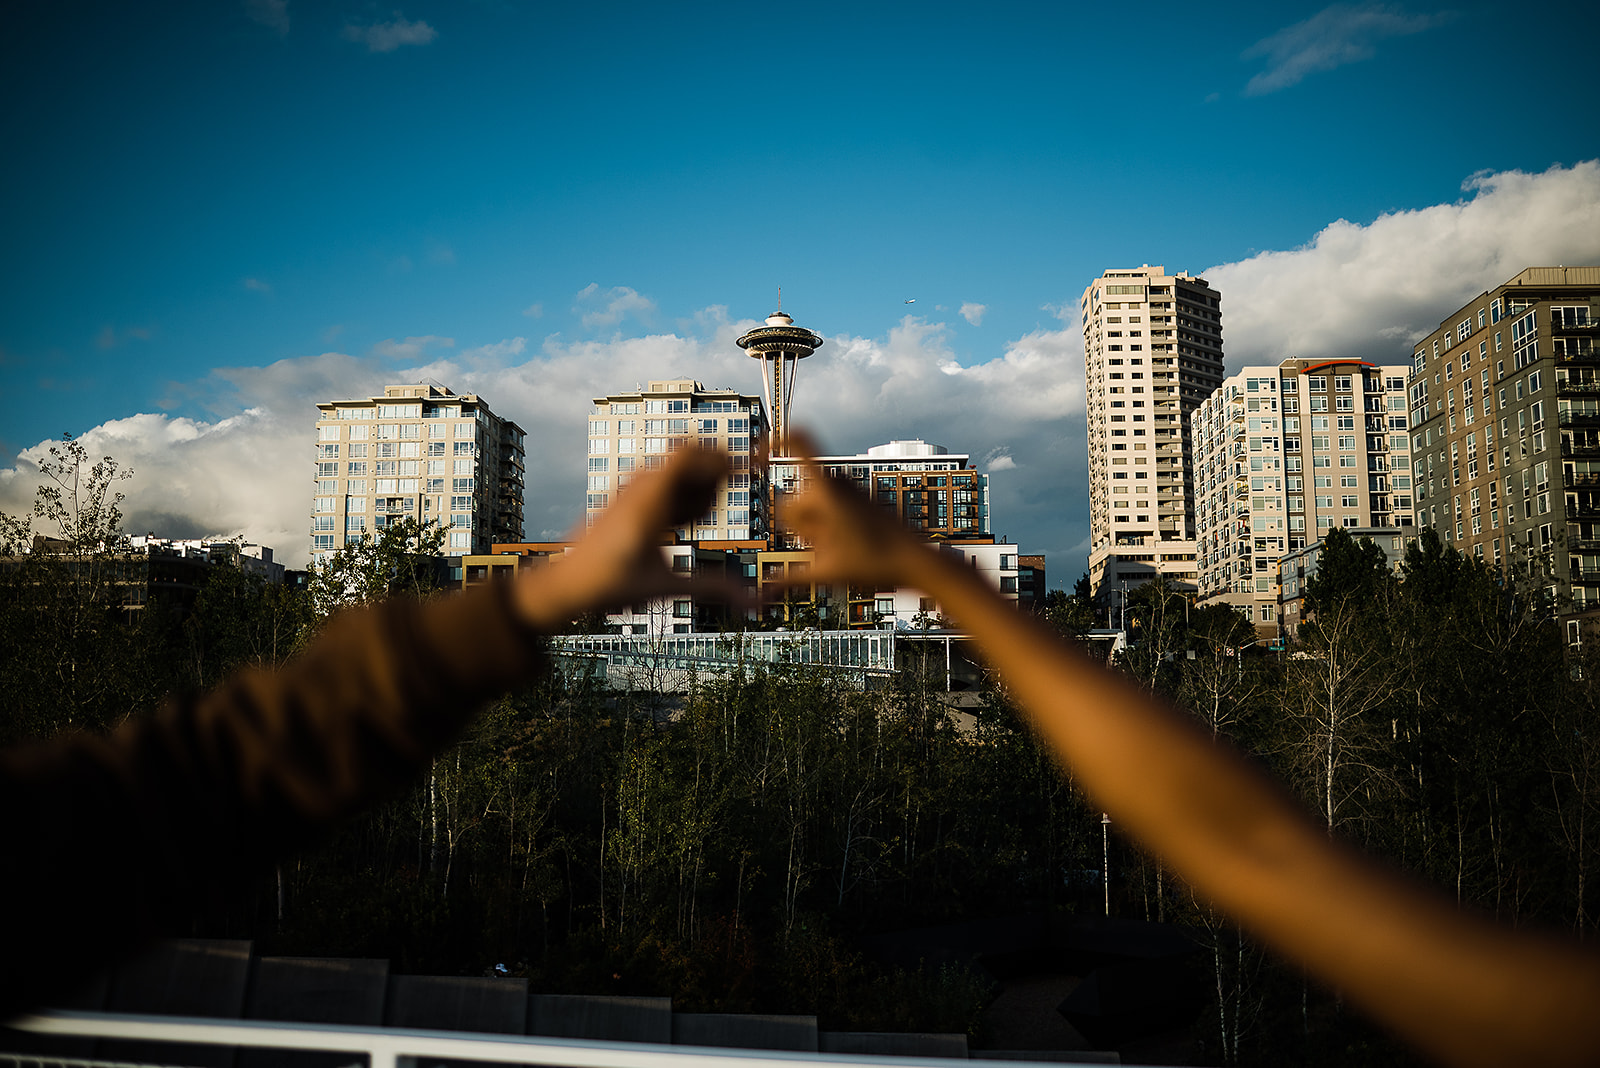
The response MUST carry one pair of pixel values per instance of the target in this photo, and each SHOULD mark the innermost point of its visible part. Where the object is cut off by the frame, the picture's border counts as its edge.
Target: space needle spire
(780, 346)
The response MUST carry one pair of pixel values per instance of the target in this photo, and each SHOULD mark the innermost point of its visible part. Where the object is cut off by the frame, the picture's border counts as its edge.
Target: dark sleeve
(110, 839)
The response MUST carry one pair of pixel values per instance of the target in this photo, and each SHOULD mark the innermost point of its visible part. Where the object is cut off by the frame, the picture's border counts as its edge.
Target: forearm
(1462, 988)
(113, 838)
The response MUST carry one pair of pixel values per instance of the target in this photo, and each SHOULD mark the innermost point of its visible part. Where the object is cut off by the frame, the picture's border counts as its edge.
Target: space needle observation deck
(780, 346)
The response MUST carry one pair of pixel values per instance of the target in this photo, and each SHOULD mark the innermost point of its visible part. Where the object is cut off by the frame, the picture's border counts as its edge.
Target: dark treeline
(732, 847)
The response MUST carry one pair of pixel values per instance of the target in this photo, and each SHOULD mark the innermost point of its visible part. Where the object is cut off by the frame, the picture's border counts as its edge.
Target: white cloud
(244, 467)
(1370, 289)
(495, 353)
(973, 313)
(197, 479)
(1333, 37)
(242, 464)
(608, 307)
(412, 347)
(534, 310)
(256, 285)
(388, 36)
(273, 14)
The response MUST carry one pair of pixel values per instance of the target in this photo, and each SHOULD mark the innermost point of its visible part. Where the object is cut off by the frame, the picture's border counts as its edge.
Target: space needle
(780, 346)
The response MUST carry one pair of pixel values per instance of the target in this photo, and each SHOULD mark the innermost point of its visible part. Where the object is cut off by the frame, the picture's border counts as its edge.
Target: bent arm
(112, 838)
(1463, 989)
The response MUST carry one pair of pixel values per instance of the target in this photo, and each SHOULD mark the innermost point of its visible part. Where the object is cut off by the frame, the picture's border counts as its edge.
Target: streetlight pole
(1105, 858)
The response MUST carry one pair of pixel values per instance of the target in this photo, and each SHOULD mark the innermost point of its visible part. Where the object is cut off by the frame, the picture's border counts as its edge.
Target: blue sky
(212, 211)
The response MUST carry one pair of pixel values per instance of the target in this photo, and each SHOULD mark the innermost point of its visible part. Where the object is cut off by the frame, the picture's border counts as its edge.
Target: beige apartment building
(636, 431)
(1505, 422)
(1152, 352)
(419, 451)
(1284, 453)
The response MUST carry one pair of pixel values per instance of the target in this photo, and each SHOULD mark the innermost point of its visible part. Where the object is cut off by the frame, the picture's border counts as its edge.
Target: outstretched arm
(113, 838)
(1459, 987)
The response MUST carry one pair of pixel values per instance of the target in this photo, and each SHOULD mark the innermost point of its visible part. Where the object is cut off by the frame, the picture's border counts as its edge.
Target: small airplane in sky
(913, 300)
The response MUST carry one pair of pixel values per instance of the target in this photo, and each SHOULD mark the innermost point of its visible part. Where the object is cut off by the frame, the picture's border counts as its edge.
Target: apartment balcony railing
(1564, 387)
(1582, 418)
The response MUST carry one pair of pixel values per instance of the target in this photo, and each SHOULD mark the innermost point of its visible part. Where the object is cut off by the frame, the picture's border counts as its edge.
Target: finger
(803, 447)
(693, 476)
(675, 495)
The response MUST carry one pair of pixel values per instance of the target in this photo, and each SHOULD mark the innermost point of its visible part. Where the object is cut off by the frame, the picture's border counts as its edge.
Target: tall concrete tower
(780, 346)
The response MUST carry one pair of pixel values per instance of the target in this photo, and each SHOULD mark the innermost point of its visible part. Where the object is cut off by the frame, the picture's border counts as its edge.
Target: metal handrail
(397, 1047)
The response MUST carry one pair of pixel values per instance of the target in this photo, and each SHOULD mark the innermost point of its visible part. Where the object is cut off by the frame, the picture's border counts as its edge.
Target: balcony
(1580, 418)
(1567, 387)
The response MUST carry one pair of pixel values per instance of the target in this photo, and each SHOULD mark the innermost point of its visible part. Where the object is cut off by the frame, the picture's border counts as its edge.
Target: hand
(856, 542)
(619, 560)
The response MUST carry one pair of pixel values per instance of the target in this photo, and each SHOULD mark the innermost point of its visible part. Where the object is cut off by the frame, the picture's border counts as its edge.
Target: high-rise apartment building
(416, 451)
(1284, 453)
(1505, 424)
(1152, 352)
(635, 431)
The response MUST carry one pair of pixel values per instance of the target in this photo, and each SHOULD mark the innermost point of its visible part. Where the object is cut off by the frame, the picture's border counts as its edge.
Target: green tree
(238, 620)
(1157, 627)
(1481, 670)
(81, 649)
(1216, 681)
(404, 558)
(1071, 614)
(78, 497)
(1348, 572)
